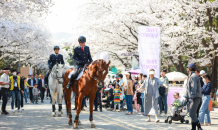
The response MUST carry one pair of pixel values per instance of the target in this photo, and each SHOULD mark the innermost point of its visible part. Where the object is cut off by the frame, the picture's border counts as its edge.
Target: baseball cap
(202, 72)
(191, 65)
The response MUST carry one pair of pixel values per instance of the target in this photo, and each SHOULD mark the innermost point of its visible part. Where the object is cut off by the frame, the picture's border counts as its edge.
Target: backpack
(161, 91)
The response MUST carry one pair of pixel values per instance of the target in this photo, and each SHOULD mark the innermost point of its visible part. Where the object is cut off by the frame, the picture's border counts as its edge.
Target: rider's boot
(46, 79)
(73, 76)
(70, 82)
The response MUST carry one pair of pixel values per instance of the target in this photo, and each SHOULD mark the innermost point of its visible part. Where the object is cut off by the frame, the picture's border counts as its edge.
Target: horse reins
(96, 77)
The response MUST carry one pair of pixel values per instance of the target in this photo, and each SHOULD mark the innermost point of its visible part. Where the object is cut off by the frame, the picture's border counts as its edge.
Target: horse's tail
(65, 99)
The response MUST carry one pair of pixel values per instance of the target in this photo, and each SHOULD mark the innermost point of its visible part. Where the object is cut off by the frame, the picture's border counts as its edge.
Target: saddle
(78, 74)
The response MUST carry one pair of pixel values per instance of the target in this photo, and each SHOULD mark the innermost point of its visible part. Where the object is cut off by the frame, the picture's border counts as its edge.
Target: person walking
(193, 92)
(31, 82)
(42, 88)
(4, 85)
(21, 91)
(204, 114)
(36, 79)
(151, 94)
(35, 94)
(98, 100)
(15, 90)
(163, 91)
(129, 93)
(142, 95)
(200, 75)
(25, 90)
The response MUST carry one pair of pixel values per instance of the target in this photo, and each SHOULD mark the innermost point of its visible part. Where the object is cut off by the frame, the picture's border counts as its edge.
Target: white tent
(176, 76)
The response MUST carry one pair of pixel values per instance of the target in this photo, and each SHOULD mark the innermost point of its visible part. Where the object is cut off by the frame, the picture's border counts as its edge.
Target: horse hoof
(92, 125)
(75, 126)
(53, 115)
(79, 122)
(70, 123)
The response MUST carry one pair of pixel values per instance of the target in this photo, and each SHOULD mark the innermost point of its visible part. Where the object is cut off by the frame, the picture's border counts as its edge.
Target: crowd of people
(143, 93)
(138, 94)
(20, 89)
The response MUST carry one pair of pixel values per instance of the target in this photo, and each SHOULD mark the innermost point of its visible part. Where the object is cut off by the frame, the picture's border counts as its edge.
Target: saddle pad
(78, 77)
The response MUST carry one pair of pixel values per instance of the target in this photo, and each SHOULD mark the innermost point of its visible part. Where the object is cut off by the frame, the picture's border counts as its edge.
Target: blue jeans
(25, 95)
(18, 96)
(164, 99)
(129, 103)
(142, 106)
(204, 110)
(9, 95)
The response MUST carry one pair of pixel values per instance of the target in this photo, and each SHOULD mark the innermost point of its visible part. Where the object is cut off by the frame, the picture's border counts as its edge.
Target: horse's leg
(91, 101)
(60, 94)
(53, 102)
(78, 109)
(68, 104)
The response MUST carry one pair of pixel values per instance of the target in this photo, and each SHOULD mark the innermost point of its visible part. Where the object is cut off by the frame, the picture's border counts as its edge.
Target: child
(117, 94)
(35, 94)
(175, 104)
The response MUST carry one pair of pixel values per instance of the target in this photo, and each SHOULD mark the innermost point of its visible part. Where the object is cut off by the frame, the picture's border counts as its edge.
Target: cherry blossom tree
(188, 29)
(22, 33)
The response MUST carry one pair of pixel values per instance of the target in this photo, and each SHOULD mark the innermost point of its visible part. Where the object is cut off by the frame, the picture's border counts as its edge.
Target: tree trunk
(214, 77)
(181, 65)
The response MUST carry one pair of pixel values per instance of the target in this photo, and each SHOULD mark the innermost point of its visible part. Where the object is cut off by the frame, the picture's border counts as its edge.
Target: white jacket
(5, 79)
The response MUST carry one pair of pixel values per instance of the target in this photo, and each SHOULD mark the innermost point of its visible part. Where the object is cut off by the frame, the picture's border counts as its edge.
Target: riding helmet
(82, 39)
(56, 47)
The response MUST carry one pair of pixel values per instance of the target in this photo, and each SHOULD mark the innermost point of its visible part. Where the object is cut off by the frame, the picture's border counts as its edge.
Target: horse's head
(58, 70)
(100, 69)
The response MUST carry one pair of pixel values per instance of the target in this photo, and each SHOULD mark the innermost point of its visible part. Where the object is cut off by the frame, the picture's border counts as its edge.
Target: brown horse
(85, 86)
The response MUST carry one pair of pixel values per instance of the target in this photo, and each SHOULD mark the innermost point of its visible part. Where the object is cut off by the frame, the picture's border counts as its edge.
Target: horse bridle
(96, 77)
(56, 72)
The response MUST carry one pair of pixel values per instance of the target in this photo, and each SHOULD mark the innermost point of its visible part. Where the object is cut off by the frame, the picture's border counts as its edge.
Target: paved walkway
(39, 117)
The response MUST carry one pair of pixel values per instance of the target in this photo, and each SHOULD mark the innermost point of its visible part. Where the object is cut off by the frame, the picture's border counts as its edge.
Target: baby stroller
(178, 115)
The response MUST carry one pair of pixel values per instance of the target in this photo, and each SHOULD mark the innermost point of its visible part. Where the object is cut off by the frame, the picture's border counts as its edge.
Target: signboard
(103, 55)
(149, 49)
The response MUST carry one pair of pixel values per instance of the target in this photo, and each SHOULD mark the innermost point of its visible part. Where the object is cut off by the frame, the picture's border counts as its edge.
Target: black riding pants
(4, 93)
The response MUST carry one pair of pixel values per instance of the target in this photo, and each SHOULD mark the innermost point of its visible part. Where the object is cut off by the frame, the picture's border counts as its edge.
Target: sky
(62, 17)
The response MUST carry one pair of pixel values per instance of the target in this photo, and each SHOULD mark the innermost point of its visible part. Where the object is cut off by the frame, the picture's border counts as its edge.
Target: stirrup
(68, 85)
(46, 86)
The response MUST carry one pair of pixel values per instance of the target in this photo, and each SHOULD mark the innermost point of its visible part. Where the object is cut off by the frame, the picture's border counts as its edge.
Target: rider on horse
(82, 56)
(53, 59)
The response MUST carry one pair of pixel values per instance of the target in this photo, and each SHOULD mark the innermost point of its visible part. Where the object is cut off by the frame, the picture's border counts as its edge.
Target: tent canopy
(135, 71)
(176, 76)
(111, 73)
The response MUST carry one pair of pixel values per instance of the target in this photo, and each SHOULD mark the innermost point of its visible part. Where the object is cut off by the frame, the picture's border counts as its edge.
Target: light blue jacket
(193, 86)
(157, 83)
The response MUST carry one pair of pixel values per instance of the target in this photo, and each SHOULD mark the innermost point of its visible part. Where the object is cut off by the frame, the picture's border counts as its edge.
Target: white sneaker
(13, 110)
(163, 115)
(20, 110)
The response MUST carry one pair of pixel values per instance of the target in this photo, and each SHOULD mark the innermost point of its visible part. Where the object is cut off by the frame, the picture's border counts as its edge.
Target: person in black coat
(41, 87)
(31, 82)
(98, 99)
(200, 74)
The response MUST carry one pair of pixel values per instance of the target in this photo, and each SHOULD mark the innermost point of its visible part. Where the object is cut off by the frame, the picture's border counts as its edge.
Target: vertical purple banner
(149, 49)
